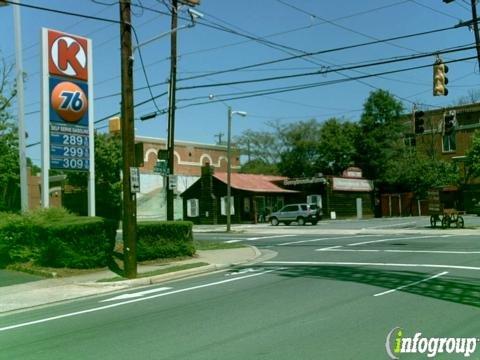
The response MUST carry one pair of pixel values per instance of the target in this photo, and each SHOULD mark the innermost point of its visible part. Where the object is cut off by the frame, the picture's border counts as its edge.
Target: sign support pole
(45, 187)
(91, 136)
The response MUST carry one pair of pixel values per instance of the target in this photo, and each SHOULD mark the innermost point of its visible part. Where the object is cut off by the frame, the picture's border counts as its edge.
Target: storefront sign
(342, 184)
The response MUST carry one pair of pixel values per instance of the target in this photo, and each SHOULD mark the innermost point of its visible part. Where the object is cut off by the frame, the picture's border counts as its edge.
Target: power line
(341, 48)
(319, 84)
(336, 70)
(61, 12)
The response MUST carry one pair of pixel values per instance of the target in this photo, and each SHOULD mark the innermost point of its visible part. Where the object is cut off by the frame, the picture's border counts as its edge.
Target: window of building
(223, 205)
(448, 142)
(193, 208)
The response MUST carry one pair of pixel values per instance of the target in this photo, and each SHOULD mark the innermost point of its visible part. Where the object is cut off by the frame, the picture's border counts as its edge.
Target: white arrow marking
(137, 294)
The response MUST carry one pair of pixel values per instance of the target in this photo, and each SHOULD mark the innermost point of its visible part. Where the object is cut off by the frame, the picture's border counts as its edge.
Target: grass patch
(165, 270)
(215, 245)
(48, 272)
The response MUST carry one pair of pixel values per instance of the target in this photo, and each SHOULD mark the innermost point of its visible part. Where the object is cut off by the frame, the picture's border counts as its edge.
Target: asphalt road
(334, 296)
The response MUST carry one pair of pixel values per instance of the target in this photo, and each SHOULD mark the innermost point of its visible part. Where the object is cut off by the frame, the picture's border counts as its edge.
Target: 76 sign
(69, 101)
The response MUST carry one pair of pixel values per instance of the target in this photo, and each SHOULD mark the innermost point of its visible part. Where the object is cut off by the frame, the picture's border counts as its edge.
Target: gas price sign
(69, 140)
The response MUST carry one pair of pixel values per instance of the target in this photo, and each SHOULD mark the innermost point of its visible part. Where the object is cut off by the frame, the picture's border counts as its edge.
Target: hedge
(164, 239)
(55, 238)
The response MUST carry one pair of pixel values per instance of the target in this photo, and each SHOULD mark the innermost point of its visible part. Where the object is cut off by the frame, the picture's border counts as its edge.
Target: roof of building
(254, 183)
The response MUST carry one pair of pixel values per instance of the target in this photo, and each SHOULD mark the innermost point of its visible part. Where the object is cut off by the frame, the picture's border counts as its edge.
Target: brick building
(447, 135)
(189, 156)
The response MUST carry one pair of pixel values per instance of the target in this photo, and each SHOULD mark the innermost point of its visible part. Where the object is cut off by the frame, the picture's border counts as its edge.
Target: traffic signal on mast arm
(440, 79)
(419, 122)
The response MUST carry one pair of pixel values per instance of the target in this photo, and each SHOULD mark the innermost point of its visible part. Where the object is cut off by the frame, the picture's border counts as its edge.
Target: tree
(337, 146)
(259, 166)
(380, 134)
(301, 157)
(472, 162)
(108, 186)
(9, 158)
(418, 173)
(265, 146)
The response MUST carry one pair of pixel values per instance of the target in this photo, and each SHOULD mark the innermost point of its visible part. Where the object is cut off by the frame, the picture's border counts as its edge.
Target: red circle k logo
(67, 55)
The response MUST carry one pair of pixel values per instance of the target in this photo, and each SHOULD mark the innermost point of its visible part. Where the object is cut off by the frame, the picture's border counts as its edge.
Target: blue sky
(241, 33)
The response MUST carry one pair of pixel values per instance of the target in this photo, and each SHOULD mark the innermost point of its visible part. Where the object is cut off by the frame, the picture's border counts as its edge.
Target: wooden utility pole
(475, 29)
(128, 144)
(171, 108)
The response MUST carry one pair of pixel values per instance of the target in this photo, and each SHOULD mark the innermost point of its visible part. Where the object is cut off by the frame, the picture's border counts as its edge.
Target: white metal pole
(229, 168)
(20, 103)
(45, 189)
(91, 135)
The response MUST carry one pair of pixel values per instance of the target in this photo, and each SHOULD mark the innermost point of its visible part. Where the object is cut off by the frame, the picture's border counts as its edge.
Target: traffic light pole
(128, 144)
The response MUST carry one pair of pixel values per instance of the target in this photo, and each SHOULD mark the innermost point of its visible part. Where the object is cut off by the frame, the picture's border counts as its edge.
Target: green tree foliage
(259, 166)
(301, 157)
(263, 149)
(337, 146)
(412, 171)
(380, 134)
(472, 162)
(9, 162)
(108, 186)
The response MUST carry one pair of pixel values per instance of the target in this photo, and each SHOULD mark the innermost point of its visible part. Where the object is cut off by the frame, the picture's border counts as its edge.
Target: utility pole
(475, 29)
(171, 108)
(219, 136)
(128, 144)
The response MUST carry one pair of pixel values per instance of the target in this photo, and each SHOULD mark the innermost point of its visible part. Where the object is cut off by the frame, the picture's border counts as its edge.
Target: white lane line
(414, 283)
(330, 248)
(337, 249)
(336, 263)
(257, 238)
(137, 294)
(325, 239)
(268, 237)
(105, 307)
(392, 225)
(401, 238)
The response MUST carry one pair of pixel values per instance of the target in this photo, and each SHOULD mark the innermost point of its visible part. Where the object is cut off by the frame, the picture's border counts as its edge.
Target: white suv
(299, 213)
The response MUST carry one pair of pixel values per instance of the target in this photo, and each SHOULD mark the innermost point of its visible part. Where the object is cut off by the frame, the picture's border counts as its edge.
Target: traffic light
(449, 123)
(440, 78)
(419, 122)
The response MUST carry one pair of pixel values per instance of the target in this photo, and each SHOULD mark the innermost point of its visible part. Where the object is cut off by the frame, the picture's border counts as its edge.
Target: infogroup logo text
(397, 344)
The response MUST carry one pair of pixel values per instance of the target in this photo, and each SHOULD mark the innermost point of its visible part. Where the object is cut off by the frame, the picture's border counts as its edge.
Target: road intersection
(319, 294)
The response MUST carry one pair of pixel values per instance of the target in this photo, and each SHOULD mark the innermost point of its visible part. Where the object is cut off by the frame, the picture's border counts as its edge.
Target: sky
(230, 43)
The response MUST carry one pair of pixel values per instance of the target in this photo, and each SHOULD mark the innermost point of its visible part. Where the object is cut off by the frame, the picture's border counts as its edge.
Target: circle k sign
(67, 55)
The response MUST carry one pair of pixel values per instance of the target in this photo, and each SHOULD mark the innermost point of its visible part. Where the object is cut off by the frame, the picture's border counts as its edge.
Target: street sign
(161, 167)
(172, 182)
(134, 179)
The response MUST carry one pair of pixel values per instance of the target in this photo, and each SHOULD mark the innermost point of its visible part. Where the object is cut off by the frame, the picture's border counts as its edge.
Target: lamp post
(229, 164)
(20, 104)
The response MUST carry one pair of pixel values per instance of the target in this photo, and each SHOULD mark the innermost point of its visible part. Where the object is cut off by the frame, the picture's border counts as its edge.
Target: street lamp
(229, 166)
(20, 104)
(230, 114)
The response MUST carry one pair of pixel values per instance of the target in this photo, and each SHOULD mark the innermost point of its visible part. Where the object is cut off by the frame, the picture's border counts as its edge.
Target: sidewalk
(48, 291)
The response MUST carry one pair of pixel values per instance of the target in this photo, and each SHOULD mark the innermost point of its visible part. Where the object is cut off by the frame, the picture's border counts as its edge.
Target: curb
(121, 284)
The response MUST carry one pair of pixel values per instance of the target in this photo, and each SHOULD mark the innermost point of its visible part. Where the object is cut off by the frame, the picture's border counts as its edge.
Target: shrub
(164, 239)
(56, 238)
